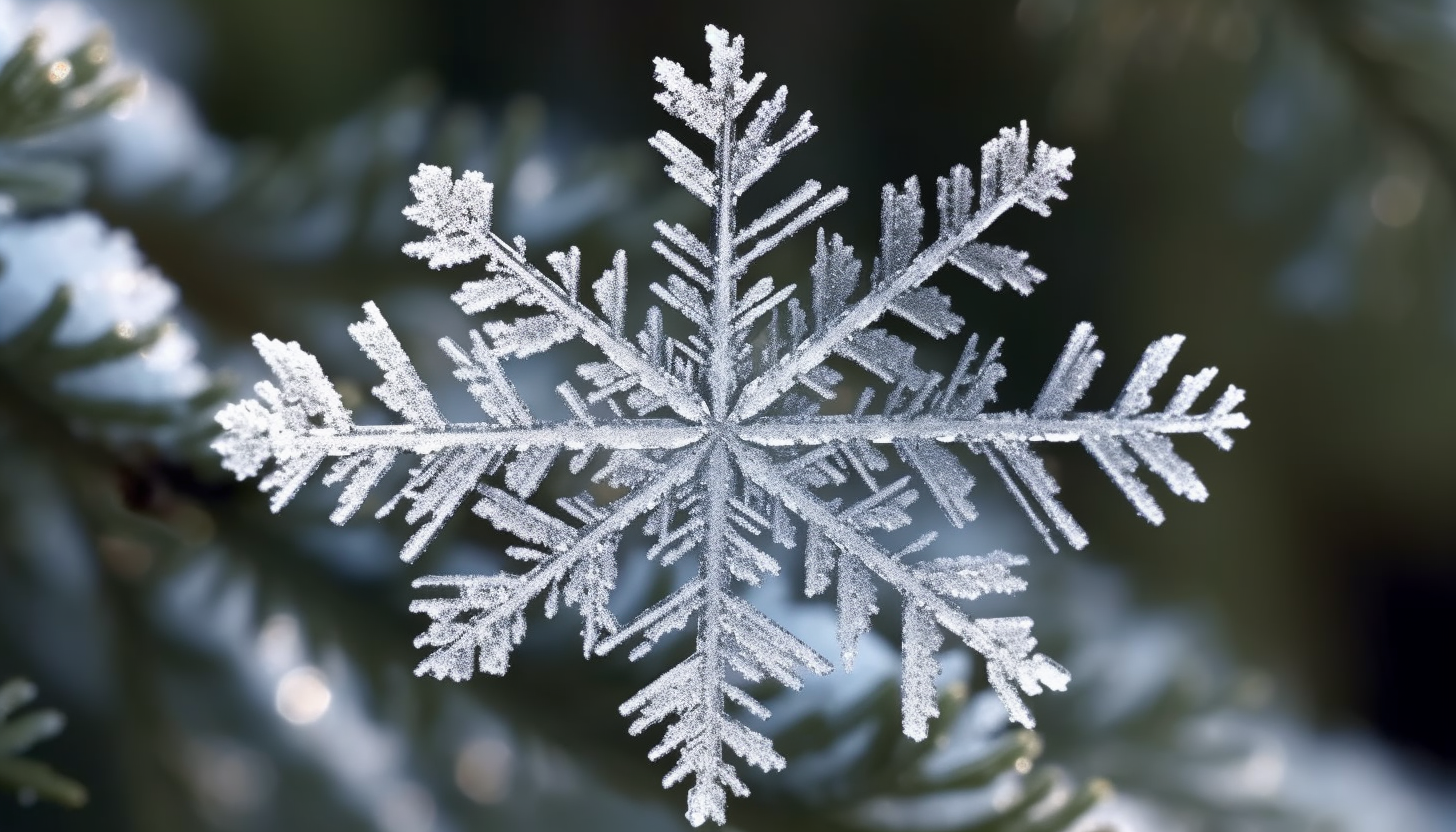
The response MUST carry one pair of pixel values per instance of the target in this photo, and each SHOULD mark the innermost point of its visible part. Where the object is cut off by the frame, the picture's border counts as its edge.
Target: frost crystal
(715, 446)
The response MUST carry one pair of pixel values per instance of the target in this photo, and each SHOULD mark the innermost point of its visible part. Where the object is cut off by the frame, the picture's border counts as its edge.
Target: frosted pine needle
(717, 443)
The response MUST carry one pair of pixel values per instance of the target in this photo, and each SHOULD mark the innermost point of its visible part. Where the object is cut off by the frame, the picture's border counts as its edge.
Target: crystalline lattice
(716, 442)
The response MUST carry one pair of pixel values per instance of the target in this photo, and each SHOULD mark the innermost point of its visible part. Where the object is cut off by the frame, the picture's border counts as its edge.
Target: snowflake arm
(302, 422)
(1005, 643)
(739, 161)
(1008, 179)
(731, 635)
(496, 604)
(458, 212)
(1120, 438)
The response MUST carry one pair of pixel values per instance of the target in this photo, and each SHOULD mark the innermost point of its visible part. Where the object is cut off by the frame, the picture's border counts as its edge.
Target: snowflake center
(722, 429)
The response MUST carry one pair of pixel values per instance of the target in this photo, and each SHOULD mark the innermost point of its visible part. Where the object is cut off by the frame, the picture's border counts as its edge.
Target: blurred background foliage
(1274, 178)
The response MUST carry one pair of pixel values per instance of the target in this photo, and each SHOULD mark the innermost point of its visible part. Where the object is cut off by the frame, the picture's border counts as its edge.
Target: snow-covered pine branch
(704, 445)
(88, 327)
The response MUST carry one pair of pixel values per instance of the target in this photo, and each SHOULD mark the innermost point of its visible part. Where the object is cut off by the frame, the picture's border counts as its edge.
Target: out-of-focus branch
(1381, 72)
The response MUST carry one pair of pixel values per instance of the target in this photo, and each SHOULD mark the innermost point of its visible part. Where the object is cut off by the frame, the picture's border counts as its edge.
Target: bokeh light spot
(1396, 200)
(303, 695)
(483, 770)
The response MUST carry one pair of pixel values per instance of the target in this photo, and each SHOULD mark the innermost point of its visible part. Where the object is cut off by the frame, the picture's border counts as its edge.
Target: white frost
(708, 426)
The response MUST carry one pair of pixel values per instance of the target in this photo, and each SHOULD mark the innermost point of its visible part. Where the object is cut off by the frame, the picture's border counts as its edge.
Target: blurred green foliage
(19, 732)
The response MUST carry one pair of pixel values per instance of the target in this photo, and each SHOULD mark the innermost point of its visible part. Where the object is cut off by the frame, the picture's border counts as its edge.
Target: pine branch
(1382, 73)
(40, 95)
(19, 732)
(307, 217)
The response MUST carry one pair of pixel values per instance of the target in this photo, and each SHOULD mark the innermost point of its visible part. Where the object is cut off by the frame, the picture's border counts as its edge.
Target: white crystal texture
(715, 429)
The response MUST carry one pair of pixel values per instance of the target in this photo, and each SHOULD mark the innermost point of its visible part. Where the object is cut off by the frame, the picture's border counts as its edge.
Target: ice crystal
(716, 445)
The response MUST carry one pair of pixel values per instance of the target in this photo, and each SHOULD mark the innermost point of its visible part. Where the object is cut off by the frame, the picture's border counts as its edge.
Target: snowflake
(719, 445)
